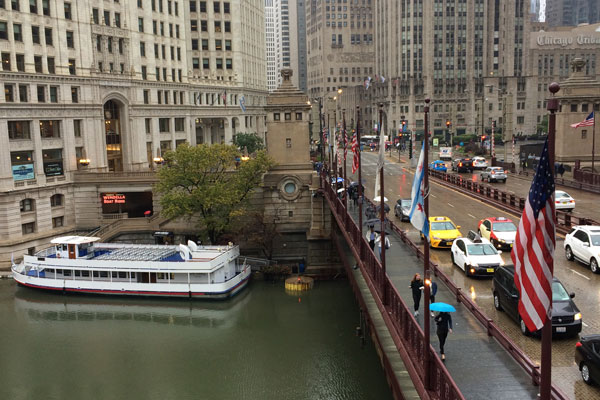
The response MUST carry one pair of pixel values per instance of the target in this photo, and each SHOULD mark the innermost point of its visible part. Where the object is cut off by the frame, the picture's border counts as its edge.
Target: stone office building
(94, 91)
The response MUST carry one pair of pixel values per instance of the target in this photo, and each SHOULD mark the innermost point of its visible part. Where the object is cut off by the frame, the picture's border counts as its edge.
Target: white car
(475, 255)
(479, 163)
(583, 244)
(563, 201)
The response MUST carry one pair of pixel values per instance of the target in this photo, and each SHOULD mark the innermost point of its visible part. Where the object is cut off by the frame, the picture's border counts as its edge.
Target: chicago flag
(417, 216)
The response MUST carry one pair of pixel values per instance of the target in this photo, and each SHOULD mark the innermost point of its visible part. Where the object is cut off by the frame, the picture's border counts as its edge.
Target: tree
(202, 181)
(250, 141)
(542, 127)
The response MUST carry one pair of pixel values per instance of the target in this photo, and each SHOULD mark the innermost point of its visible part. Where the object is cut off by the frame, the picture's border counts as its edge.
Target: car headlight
(502, 263)
(502, 240)
(577, 316)
(474, 264)
(436, 238)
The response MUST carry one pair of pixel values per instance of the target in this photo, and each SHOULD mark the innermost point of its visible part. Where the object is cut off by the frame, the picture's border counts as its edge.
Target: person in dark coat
(432, 293)
(444, 325)
(372, 237)
(417, 286)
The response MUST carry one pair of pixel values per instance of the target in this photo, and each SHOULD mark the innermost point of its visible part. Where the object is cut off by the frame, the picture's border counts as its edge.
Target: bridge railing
(505, 200)
(405, 324)
(405, 327)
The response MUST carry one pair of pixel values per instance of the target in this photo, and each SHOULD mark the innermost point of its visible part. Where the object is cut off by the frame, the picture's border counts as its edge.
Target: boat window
(133, 275)
(103, 274)
(122, 275)
(77, 272)
(85, 273)
(160, 275)
(114, 274)
(95, 273)
(49, 270)
(67, 272)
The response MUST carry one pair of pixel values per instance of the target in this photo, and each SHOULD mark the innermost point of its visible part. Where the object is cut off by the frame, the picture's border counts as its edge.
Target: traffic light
(403, 125)
(448, 124)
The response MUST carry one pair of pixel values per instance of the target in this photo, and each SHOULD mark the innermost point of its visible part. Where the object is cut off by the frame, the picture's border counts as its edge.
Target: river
(263, 344)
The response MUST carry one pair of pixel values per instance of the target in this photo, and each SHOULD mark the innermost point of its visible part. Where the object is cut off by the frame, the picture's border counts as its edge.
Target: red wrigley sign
(113, 198)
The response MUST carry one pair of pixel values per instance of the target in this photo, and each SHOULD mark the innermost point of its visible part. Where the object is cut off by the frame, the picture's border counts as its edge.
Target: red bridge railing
(407, 333)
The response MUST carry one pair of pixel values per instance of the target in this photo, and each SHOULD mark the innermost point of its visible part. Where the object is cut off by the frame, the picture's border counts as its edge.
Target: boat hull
(199, 291)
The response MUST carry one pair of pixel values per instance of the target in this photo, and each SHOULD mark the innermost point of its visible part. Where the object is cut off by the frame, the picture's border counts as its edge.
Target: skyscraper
(572, 12)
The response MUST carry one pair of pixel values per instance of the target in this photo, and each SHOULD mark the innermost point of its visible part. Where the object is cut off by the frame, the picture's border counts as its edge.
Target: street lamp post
(426, 288)
(382, 209)
(345, 152)
(360, 191)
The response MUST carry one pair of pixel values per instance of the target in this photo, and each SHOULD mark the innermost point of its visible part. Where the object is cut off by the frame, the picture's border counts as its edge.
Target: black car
(462, 165)
(587, 358)
(402, 209)
(566, 318)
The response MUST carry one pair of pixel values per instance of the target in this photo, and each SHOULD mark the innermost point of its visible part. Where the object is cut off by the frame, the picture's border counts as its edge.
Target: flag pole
(382, 207)
(426, 318)
(360, 192)
(593, 141)
(345, 151)
(546, 373)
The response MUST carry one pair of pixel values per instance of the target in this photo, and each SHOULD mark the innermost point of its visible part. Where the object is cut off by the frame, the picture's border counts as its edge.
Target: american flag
(589, 121)
(345, 144)
(533, 251)
(355, 150)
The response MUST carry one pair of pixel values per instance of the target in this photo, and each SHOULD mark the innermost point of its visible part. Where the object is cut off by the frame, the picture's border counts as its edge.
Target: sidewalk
(481, 368)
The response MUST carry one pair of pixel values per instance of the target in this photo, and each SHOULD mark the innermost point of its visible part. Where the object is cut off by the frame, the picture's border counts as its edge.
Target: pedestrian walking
(432, 293)
(378, 242)
(417, 286)
(372, 237)
(355, 197)
(444, 325)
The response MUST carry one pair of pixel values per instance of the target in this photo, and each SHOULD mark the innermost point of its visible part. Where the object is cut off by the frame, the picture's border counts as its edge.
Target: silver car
(493, 174)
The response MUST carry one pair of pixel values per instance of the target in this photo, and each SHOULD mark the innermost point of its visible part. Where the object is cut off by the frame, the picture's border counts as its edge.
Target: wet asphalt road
(467, 212)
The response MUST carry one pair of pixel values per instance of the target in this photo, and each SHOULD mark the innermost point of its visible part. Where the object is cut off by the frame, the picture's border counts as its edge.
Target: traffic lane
(444, 202)
(586, 203)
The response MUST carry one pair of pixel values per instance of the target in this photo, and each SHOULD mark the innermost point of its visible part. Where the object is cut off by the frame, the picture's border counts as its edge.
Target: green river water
(263, 344)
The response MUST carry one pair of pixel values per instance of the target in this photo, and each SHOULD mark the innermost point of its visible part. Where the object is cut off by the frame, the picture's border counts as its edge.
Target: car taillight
(506, 171)
(571, 201)
(578, 344)
(460, 164)
(557, 202)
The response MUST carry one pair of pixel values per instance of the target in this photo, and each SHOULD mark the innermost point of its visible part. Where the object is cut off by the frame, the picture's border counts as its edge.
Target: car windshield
(504, 227)
(442, 226)
(561, 194)
(559, 292)
(495, 170)
(406, 203)
(484, 249)
(595, 240)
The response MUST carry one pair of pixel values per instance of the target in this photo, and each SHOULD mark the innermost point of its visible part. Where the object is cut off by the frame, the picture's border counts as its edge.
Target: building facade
(95, 91)
(572, 12)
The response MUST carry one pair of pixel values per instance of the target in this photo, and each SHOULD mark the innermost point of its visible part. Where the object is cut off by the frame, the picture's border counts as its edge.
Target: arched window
(27, 205)
(57, 200)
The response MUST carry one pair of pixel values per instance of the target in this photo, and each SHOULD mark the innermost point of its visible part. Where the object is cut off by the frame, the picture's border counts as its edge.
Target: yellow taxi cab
(442, 232)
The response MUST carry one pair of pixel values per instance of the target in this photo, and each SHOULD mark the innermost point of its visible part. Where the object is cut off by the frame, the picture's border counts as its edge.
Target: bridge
(482, 361)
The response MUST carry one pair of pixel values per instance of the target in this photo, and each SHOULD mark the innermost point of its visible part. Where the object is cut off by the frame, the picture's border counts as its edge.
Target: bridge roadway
(481, 368)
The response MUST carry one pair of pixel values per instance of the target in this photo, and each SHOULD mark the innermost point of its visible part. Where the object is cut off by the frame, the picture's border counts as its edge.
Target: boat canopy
(74, 240)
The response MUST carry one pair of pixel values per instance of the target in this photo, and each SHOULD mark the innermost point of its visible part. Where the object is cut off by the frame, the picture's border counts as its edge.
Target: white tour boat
(81, 264)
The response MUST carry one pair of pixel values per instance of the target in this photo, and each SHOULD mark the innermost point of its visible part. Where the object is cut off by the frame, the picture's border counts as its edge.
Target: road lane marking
(472, 216)
(433, 195)
(584, 324)
(580, 274)
(450, 205)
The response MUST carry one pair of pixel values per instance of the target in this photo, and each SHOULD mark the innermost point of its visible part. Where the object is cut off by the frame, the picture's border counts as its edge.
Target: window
(144, 75)
(95, 16)
(37, 63)
(228, 45)
(193, 6)
(204, 44)
(77, 127)
(109, 43)
(163, 125)
(288, 143)
(15, 5)
(57, 222)
(219, 63)
(17, 33)
(217, 7)
(203, 6)
(72, 66)
(226, 7)
(50, 129)
(50, 61)
(68, 11)
(142, 49)
(106, 18)
(217, 26)
(584, 133)
(140, 5)
(146, 95)
(33, 6)
(118, 20)
(121, 45)
(298, 116)
(148, 123)
(3, 30)
(141, 24)
(19, 130)
(53, 94)
(48, 36)
(46, 7)
(74, 94)
(70, 41)
(288, 116)
(573, 107)
(205, 63)
(276, 117)
(218, 44)
(179, 124)
(35, 34)
(23, 93)
(204, 26)
(194, 25)
(229, 63)
(227, 26)
(5, 61)
(28, 228)
(27, 205)
(9, 92)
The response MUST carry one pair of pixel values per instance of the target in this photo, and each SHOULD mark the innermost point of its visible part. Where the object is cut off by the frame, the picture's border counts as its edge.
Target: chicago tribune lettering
(566, 41)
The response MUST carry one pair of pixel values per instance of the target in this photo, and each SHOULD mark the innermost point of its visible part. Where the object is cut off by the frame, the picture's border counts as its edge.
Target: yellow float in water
(299, 283)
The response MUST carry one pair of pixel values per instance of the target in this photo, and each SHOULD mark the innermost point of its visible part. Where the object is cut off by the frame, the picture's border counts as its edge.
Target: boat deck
(137, 254)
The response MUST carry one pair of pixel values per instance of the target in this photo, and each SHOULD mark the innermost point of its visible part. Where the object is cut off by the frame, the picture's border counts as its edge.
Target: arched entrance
(112, 131)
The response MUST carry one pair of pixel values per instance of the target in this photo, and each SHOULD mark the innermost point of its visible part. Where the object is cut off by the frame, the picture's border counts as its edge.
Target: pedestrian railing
(504, 200)
(405, 331)
(405, 327)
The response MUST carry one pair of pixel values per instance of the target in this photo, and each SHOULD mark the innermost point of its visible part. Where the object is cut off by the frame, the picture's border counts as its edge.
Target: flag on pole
(337, 149)
(382, 79)
(417, 215)
(589, 121)
(380, 162)
(533, 250)
(345, 144)
(355, 150)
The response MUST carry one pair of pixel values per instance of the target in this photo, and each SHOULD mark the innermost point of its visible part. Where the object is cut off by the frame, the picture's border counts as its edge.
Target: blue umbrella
(441, 307)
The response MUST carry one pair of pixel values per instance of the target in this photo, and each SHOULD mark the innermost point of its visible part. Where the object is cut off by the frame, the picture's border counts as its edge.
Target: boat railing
(47, 252)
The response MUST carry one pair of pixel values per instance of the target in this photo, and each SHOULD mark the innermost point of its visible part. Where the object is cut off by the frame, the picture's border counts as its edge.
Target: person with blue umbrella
(444, 323)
